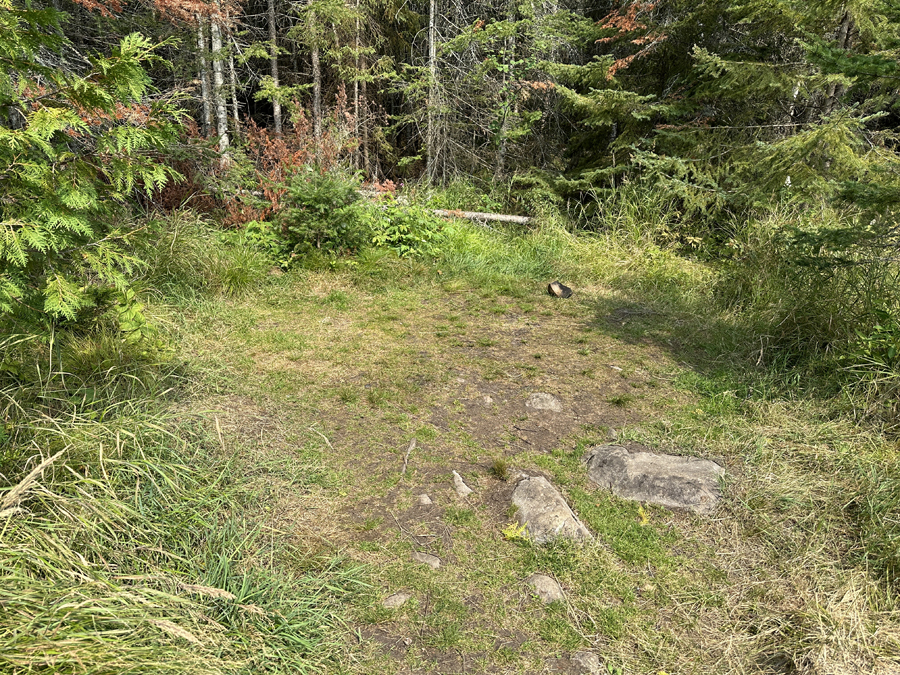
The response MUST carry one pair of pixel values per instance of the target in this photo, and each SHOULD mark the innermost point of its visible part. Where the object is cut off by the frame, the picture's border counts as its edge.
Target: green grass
(163, 541)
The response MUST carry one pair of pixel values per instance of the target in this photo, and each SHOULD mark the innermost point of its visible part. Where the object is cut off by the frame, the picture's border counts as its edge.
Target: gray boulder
(668, 480)
(545, 514)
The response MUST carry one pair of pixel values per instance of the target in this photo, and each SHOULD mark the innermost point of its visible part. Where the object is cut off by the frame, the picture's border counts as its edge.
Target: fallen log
(469, 215)
(476, 216)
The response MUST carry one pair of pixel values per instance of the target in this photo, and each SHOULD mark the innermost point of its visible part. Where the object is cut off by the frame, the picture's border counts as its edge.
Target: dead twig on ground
(412, 446)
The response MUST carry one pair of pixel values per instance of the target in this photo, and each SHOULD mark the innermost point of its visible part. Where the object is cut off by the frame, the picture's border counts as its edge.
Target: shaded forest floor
(320, 381)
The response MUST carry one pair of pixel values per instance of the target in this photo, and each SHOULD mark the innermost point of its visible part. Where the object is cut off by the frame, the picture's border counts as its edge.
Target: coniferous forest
(239, 238)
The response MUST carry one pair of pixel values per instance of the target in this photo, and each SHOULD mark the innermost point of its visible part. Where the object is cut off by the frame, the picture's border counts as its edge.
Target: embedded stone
(672, 481)
(544, 401)
(544, 513)
(396, 600)
(588, 663)
(546, 588)
(427, 559)
(424, 500)
(461, 488)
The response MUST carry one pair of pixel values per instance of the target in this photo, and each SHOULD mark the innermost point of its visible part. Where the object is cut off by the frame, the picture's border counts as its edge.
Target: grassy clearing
(318, 381)
(342, 369)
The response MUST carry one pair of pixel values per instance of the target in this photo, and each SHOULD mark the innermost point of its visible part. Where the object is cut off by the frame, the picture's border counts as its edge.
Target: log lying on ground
(470, 215)
(473, 215)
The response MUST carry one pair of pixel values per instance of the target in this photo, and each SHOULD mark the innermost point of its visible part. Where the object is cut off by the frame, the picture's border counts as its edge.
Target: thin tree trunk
(218, 88)
(317, 86)
(504, 123)
(845, 35)
(234, 102)
(430, 129)
(356, 152)
(364, 122)
(273, 45)
(204, 76)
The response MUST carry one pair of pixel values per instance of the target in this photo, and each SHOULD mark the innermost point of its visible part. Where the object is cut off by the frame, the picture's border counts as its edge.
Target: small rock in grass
(543, 511)
(462, 489)
(427, 559)
(558, 290)
(546, 588)
(396, 600)
(589, 663)
(542, 401)
(424, 500)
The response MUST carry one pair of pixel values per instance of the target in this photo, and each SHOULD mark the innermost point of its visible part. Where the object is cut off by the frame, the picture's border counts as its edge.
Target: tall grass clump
(831, 311)
(185, 258)
(506, 256)
(123, 548)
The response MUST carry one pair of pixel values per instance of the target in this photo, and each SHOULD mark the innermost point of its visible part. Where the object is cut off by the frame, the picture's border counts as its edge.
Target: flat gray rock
(424, 500)
(542, 401)
(427, 559)
(396, 600)
(546, 588)
(545, 514)
(668, 480)
(588, 662)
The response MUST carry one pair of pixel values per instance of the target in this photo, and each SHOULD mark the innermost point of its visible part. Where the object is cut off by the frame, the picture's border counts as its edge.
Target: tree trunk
(844, 38)
(218, 88)
(273, 45)
(317, 85)
(364, 123)
(234, 102)
(431, 123)
(500, 165)
(204, 76)
(356, 92)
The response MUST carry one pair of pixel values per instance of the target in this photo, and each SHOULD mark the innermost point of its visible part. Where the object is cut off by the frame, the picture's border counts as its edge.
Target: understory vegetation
(229, 302)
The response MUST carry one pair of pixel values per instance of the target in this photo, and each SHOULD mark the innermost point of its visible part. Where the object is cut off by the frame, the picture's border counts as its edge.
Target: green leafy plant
(515, 532)
(73, 148)
(407, 230)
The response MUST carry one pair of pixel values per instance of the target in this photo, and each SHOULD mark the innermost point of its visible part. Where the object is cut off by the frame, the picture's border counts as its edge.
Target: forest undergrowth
(155, 517)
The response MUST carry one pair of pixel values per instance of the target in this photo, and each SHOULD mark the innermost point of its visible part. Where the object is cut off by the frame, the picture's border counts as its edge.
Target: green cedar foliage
(74, 146)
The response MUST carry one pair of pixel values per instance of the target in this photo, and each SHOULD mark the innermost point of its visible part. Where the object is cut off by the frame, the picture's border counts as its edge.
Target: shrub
(323, 213)
(407, 230)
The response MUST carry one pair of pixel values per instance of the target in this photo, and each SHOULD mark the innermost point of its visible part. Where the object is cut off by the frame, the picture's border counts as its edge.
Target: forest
(244, 243)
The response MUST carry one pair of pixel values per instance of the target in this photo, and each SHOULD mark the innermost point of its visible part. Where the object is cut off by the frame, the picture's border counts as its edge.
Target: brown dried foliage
(276, 158)
(624, 21)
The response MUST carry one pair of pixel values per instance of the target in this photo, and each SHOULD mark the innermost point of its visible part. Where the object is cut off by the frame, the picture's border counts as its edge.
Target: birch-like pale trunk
(219, 87)
(204, 76)
(317, 85)
(356, 152)
(367, 165)
(431, 122)
(235, 108)
(273, 45)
